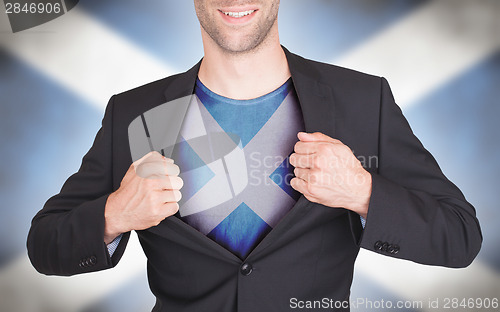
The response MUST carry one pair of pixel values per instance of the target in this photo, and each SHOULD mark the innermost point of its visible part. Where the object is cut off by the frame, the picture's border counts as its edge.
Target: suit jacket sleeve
(415, 212)
(67, 235)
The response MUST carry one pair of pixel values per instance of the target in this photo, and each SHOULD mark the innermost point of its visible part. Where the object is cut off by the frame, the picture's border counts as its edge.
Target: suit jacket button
(378, 245)
(246, 269)
(385, 245)
(93, 260)
(390, 249)
(395, 249)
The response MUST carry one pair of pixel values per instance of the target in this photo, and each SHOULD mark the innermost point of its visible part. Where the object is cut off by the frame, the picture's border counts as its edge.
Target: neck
(246, 75)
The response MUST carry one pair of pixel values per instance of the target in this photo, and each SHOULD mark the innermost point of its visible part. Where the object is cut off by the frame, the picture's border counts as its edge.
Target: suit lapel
(315, 98)
(158, 127)
(182, 85)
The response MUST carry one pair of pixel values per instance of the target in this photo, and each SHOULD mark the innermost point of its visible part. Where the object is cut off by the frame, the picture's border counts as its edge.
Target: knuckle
(155, 210)
(143, 166)
(311, 190)
(346, 150)
(150, 198)
(172, 208)
(157, 221)
(317, 161)
(309, 162)
(146, 170)
(311, 198)
(171, 182)
(337, 141)
(139, 171)
(313, 176)
(168, 160)
(324, 148)
(154, 156)
(166, 183)
(320, 149)
(149, 184)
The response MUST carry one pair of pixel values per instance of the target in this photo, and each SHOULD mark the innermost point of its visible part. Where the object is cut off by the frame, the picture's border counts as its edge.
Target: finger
(149, 156)
(302, 147)
(316, 137)
(152, 157)
(301, 186)
(301, 173)
(302, 161)
(172, 169)
(161, 158)
(171, 207)
(171, 183)
(132, 170)
(171, 196)
(157, 169)
(148, 170)
(316, 147)
(156, 157)
(169, 160)
(311, 176)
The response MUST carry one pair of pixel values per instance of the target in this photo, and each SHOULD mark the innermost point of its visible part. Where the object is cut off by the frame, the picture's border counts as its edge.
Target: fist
(149, 193)
(327, 172)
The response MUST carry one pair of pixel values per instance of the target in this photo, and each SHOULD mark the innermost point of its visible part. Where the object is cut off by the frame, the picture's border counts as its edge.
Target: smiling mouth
(239, 14)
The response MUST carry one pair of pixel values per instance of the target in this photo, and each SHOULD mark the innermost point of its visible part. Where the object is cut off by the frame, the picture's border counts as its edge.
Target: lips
(237, 15)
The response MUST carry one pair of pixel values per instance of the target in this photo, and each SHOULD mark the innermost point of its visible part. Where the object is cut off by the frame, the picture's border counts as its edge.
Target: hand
(327, 172)
(148, 193)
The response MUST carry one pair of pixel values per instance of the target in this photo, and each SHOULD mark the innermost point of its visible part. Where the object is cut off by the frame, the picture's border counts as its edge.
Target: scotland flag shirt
(233, 158)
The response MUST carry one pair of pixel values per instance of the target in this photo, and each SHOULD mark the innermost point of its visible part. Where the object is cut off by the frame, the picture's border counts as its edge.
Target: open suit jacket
(415, 212)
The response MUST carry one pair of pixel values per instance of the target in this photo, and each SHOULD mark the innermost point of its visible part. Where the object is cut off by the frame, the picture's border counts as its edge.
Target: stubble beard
(247, 44)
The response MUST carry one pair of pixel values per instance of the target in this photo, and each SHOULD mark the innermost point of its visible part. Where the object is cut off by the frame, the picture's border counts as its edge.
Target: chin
(239, 45)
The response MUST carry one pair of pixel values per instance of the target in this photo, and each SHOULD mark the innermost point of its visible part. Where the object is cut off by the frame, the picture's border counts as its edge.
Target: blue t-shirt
(233, 157)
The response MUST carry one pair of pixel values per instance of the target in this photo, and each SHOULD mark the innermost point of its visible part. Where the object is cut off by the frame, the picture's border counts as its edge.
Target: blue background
(46, 127)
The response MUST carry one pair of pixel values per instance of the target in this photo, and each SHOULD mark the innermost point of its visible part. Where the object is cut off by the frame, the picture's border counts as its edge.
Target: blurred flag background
(441, 57)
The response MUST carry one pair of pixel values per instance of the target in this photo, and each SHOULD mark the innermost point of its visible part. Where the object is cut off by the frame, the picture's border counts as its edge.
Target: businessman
(222, 238)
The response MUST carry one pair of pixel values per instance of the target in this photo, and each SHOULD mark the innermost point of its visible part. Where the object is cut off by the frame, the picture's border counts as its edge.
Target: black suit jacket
(415, 212)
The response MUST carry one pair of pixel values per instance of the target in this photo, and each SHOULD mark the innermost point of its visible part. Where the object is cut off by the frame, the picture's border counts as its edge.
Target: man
(254, 248)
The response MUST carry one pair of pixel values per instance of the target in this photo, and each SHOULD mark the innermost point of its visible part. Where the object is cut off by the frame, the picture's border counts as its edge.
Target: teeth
(239, 14)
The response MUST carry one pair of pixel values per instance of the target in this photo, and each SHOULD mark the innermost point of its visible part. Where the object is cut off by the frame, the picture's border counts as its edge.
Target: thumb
(152, 156)
(147, 157)
(315, 137)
